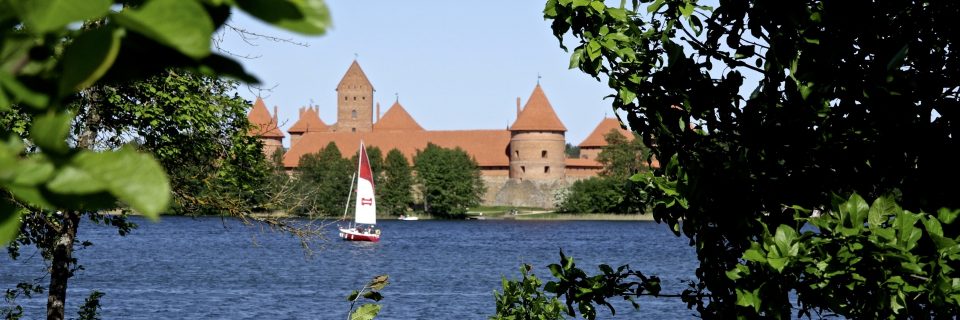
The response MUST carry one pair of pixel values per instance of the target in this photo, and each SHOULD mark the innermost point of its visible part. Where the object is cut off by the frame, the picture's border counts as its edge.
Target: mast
(346, 207)
(366, 212)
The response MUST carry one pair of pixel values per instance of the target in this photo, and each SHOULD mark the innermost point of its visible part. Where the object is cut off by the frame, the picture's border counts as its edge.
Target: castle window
(354, 98)
(353, 114)
(543, 154)
(353, 129)
(523, 169)
(546, 169)
(516, 154)
(364, 97)
(344, 98)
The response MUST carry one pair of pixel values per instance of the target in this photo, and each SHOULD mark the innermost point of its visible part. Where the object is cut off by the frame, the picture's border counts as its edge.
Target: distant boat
(364, 226)
(408, 218)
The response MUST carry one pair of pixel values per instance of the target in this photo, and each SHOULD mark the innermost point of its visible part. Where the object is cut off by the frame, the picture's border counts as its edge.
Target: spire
(538, 115)
(354, 76)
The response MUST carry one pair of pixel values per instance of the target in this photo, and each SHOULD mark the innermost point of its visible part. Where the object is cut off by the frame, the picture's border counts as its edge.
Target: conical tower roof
(264, 125)
(397, 119)
(538, 115)
(309, 122)
(597, 138)
(354, 76)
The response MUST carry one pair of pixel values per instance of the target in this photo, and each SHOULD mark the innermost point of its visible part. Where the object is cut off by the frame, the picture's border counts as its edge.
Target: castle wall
(590, 152)
(537, 155)
(270, 146)
(294, 138)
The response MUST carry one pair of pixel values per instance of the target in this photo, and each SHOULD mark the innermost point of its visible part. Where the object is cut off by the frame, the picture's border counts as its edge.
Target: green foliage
(90, 310)
(863, 261)
(449, 180)
(871, 115)
(324, 181)
(622, 158)
(370, 292)
(617, 188)
(395, 185)
(58, 62)
(523, 299)
(11, 310)
(572, 151)
(579, 291)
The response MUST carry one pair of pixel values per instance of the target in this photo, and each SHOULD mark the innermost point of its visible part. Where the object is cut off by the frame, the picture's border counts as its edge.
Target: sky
(453, 65)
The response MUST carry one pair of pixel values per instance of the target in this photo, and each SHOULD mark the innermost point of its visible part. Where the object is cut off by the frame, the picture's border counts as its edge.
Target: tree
(49, 65)
(396, 184)
(872, 115)
(324, 178)
(572, 151)
(449, 180)
(621, 158)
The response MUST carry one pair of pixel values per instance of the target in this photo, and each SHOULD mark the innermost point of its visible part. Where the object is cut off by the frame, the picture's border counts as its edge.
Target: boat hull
(353, 234)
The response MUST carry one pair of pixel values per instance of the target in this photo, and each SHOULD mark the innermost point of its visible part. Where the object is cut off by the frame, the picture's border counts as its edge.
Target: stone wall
(502, 191)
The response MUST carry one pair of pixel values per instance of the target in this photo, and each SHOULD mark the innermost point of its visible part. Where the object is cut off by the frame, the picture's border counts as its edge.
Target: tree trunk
(62, 253)
(60, 269)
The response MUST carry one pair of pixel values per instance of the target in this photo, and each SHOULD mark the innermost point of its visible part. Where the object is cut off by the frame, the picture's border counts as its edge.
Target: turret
(309, 121)
(264, 127)
(537, 141)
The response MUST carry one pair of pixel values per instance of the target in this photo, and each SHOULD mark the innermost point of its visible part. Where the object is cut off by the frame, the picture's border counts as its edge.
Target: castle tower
(309, 121)
(397, 119)
(354, 101)
(537, 142)
(265, 127)
(597, 140)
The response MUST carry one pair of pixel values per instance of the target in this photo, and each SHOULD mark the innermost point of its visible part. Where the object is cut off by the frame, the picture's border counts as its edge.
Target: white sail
(366, 203)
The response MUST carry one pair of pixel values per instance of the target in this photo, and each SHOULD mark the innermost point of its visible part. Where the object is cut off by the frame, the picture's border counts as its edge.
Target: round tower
(537, 141)
(354, 101)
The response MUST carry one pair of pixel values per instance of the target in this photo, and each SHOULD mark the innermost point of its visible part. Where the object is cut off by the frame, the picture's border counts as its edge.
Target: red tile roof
(309, 121)
(264, 125)
(538, 115)
(354, 73)
(397, 119)
(488, 147)
(597, 139)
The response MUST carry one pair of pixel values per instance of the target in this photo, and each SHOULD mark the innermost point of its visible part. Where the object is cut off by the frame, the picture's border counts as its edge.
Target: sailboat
(364, 226)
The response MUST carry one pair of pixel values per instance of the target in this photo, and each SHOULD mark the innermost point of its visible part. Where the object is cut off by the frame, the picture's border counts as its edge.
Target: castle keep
(523, 165)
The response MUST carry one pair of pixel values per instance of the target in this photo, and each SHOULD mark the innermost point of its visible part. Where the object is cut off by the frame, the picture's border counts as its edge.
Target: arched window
(353, 114)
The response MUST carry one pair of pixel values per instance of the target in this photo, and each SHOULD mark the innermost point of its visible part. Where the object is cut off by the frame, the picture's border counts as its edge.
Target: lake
(212, 268)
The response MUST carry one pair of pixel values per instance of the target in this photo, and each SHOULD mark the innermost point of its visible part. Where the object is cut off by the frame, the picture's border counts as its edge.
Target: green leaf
(373, 295)
(947, 216)
(133, 177)
(89, 57)
(933, 226)
(379, 282)
(778, 263)
(50, 130)
(31, 172)
(43, 16)
(9, 221)
(882, 208)
(598, 6)
(73, 181)
(576, 57)
(22, 93)
(754, 255)
(304, 16)
(748, 298)
(218, 65)
(181, 24)
(353, 295)
(366, 312)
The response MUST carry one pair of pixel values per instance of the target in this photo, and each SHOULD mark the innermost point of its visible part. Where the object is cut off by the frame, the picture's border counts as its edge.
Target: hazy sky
(455, 64)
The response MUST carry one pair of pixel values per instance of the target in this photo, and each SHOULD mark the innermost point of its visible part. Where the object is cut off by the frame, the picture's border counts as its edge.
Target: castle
(523, 165)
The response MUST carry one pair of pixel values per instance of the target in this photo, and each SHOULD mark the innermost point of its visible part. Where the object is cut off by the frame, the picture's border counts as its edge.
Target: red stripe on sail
(365, 172)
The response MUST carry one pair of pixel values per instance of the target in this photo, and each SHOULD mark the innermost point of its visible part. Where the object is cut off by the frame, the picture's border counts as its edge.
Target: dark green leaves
(89, 57)
(42, 16)
(181, 24)
(50, 131)
(133, 177)
(303, 16)
(9, 221)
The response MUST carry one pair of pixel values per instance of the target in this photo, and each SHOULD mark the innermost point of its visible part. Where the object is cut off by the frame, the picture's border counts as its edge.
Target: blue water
(210, 268)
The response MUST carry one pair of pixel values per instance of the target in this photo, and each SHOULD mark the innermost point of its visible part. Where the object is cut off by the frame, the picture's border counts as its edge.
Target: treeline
(441, 182)
(615, 189)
